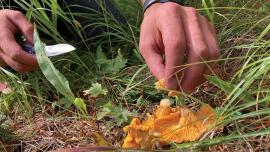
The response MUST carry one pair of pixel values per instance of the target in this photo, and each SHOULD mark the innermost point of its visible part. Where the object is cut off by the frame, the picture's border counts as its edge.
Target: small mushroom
(160, 85)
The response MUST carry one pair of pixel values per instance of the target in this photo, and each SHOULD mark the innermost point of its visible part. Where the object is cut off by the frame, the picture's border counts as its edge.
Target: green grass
(112, 62)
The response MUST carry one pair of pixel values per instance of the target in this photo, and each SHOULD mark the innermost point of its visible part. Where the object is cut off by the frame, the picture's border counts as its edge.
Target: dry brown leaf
(73, 139)
(99, 139)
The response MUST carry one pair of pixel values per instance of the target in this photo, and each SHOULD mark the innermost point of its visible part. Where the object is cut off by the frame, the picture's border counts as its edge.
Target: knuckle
(172, 7)
(16, 14)
(191, 10)
(193, 14)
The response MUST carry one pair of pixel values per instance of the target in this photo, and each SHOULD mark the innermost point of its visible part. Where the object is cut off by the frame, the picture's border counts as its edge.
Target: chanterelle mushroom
(160, 85)
(169, 124)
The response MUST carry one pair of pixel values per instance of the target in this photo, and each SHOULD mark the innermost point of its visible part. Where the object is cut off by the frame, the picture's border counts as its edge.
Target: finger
(154, 60)
(21, 22)
(150, 50)
(174, 41)
(198, 51)
(211, 40)
(12, 49)
(17, 66)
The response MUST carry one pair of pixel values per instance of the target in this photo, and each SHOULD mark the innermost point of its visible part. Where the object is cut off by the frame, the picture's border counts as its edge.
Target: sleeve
(88, 7)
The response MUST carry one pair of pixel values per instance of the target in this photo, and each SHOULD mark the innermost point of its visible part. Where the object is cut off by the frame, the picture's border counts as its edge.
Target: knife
(51, 50)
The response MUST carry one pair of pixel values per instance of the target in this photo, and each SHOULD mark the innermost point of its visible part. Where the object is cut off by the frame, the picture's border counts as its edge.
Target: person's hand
(170, 31)
(11, 54)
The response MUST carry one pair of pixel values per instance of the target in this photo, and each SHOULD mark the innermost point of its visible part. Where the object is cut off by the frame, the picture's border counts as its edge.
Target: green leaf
(96, 90)
(228, 88)
(100, 56)
(105, 111)
(63, 103)
(115, 65)
(110, 65)
(125, 114)
(56, 78)
(80, 104)
(116, 112)
(102, 114)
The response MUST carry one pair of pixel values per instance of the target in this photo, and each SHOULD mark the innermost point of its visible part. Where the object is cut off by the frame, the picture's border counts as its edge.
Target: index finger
(174, 40)
(198, 51)
(150, 50)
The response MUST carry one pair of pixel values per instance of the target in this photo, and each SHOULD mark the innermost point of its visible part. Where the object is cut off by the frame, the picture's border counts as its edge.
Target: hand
(11, 54)
(168, 32)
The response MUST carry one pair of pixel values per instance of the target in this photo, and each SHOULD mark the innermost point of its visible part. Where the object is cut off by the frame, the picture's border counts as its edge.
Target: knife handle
(28, 48)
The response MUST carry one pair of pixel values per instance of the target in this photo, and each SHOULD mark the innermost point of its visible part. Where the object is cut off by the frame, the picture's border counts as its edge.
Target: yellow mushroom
(160, 85)
(169, 124)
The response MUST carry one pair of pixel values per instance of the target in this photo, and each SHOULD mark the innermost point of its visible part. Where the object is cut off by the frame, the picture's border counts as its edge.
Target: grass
(111, 63)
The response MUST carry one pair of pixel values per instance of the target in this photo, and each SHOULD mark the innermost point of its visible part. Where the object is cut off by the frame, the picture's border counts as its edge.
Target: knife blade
(51, 50)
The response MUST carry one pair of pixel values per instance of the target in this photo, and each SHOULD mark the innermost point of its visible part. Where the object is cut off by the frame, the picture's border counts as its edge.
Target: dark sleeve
(92, 4)
(87, 7)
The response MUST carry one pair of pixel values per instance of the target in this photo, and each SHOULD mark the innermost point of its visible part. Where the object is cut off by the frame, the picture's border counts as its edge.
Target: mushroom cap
(169, 124)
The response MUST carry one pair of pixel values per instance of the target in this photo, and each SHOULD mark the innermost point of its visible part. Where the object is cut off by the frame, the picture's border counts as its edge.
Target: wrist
(148, 3)
(180, 2)
(153, 7)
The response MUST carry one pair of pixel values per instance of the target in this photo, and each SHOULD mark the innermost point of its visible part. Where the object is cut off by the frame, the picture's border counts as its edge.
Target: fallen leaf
(73, 139)
(100, 140)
